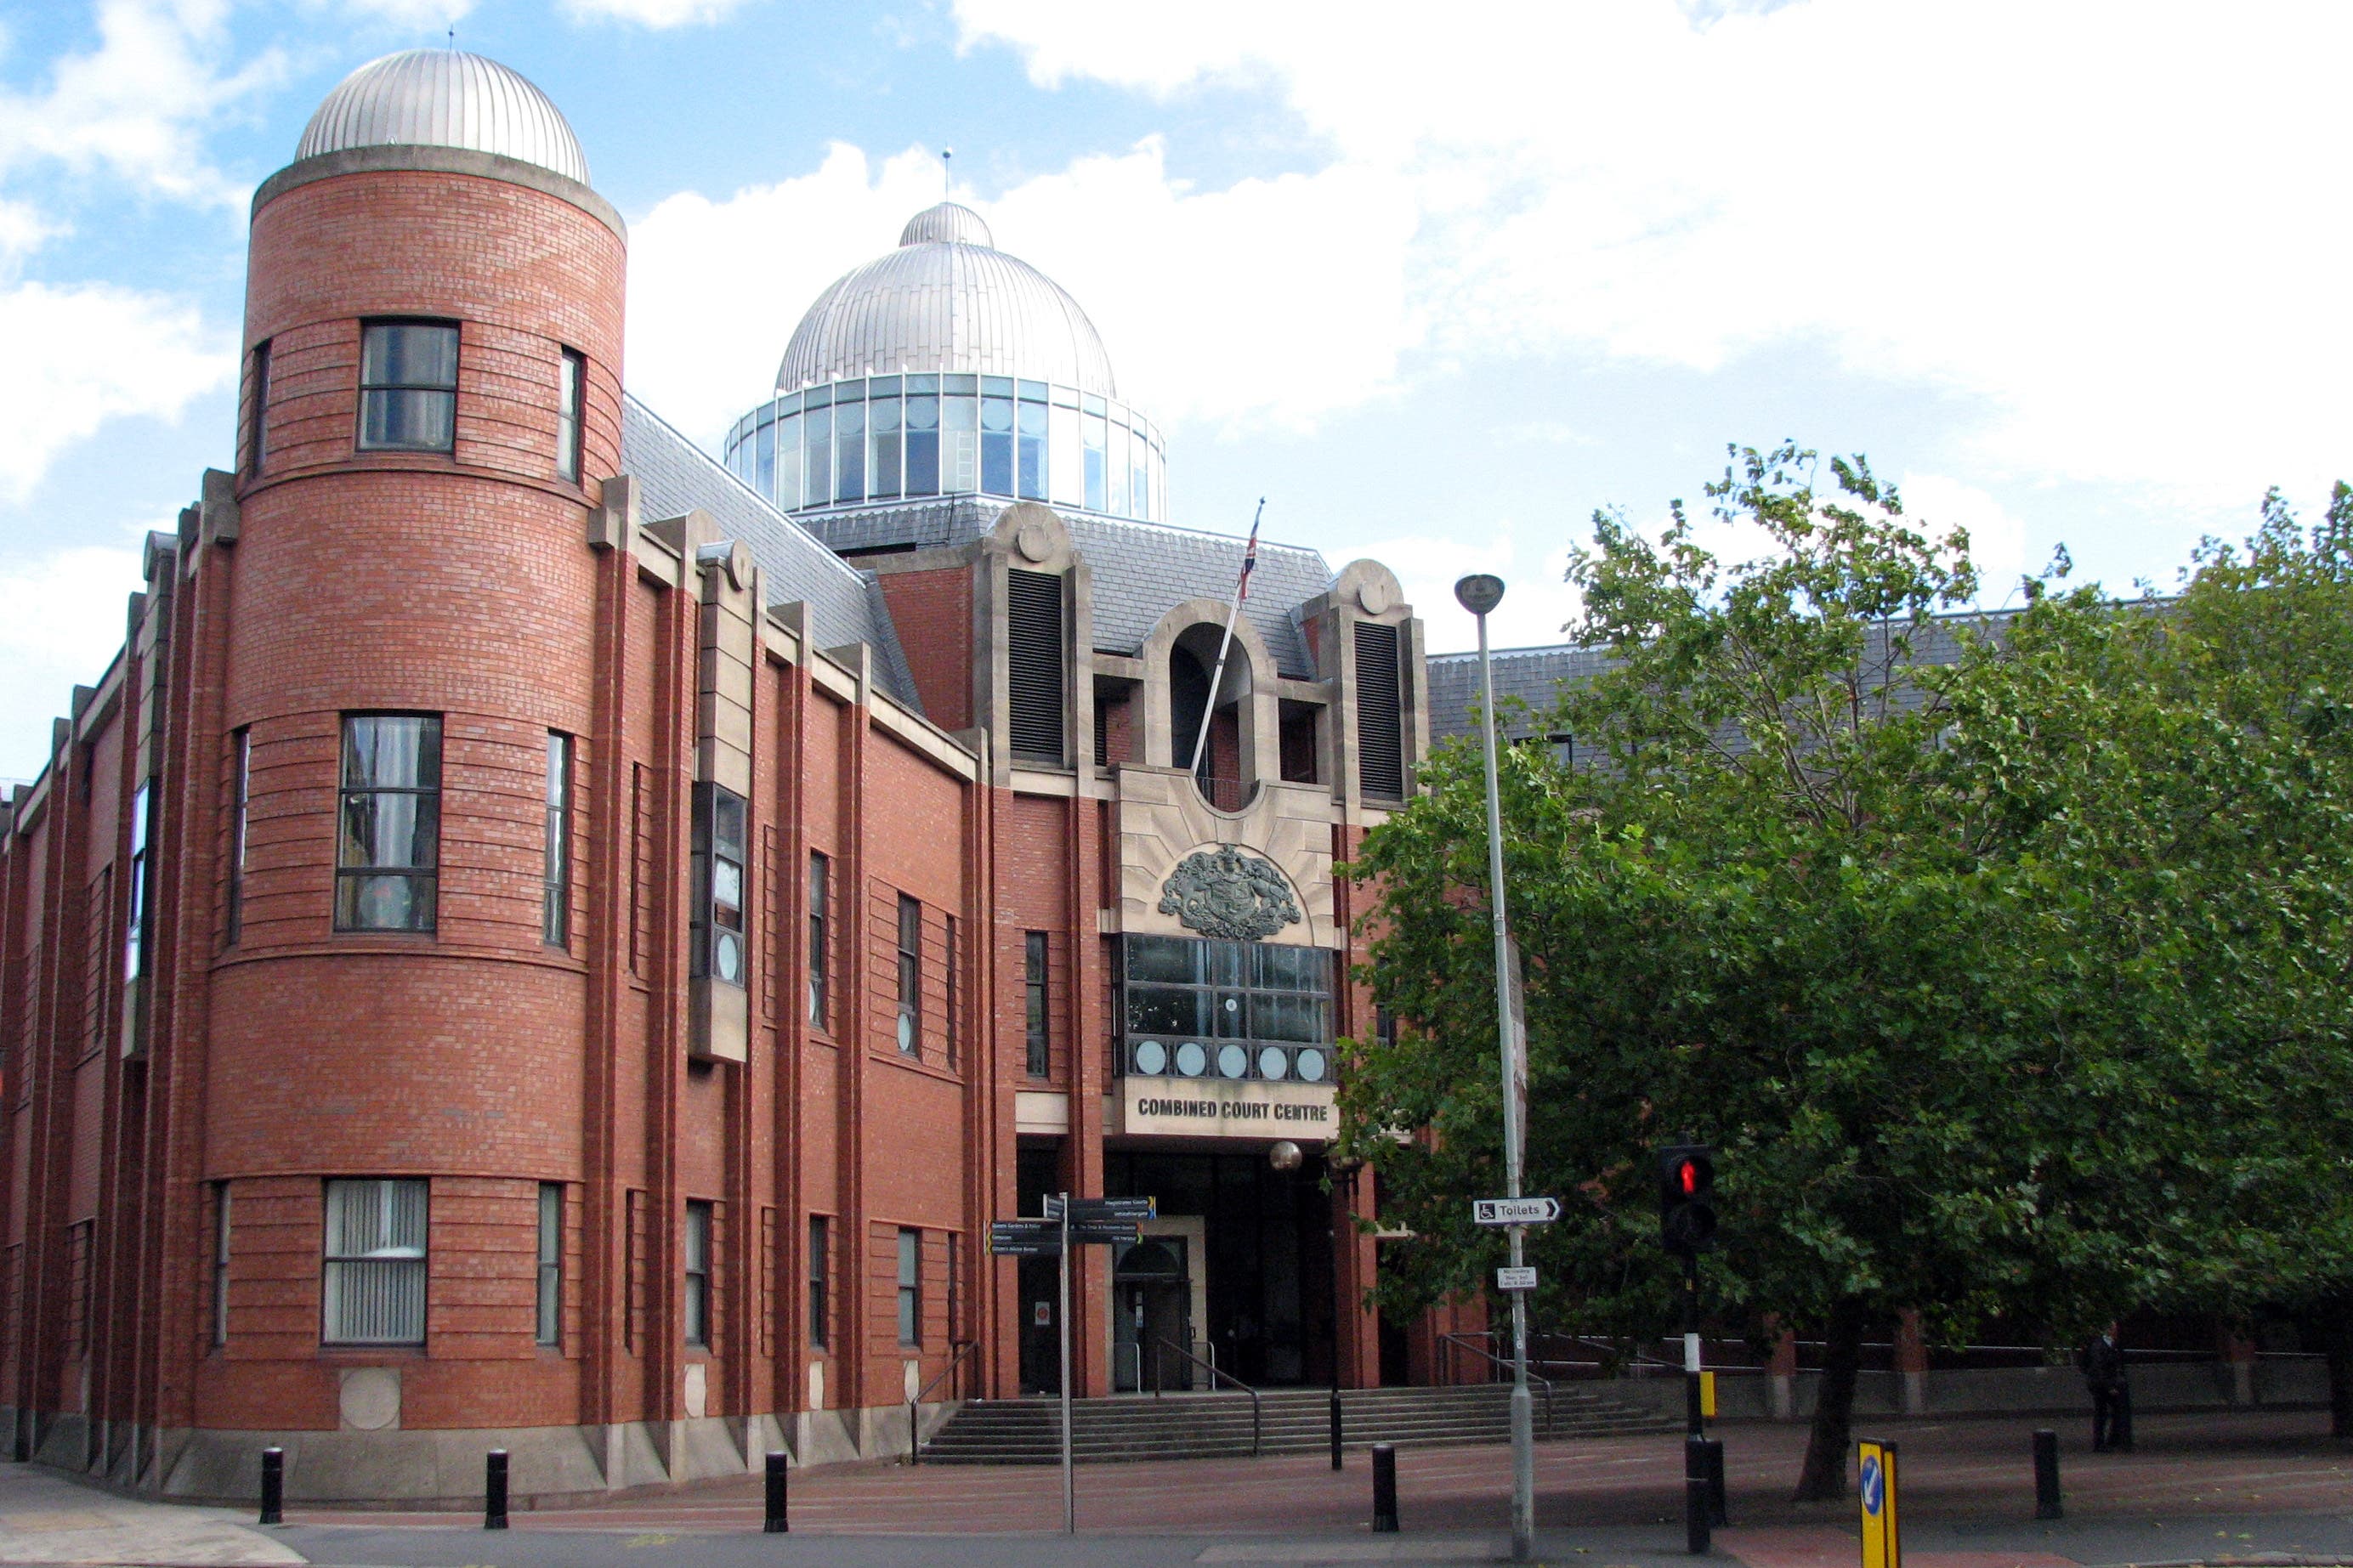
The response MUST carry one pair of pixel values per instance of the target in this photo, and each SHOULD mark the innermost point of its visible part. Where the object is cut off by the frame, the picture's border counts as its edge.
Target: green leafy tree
(1900, 910)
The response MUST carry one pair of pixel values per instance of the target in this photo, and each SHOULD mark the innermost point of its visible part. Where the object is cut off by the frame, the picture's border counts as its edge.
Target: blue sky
(1435, 283)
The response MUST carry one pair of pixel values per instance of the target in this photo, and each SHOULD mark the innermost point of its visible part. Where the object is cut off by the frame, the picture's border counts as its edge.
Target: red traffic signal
(1687, 1199)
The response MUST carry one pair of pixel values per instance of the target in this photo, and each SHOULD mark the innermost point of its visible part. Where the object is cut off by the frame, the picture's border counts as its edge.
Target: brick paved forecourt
(2254, 1487)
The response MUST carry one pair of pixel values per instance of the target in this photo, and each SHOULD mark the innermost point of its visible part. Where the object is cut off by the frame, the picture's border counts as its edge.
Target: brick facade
(252, 1053)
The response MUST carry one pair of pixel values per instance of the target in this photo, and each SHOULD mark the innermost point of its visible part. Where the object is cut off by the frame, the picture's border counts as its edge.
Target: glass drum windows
(718, 946)
(922, 420)
(571, 389)
(375, 1283)
(997, 444)
(389, 847)
(1035, 1010)
(1032, 437)
(408, 386)
(1193, 1008)
(911, 976)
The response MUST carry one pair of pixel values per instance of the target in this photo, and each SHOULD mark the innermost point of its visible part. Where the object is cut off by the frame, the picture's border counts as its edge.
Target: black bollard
(778, 1521)
(2046, 1475)
(494, 1490)
(1718, 1514)
(273, 1486)
(1335, 1428)
(1385, 1515)
(1697, 1508)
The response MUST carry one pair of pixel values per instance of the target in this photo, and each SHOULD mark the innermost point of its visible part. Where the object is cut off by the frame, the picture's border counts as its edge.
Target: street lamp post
(1480, 592)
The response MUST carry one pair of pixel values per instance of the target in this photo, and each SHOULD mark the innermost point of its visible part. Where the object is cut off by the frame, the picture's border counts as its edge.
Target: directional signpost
(1070, 1222)
(1515, 1211)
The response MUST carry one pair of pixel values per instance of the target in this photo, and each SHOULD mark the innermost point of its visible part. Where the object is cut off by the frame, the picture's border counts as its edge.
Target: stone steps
(1291, 1421)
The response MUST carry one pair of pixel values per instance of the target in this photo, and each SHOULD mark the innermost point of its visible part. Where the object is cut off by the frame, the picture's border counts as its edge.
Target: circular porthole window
(1233, 1061)
(906, 1032)
(728, 953)
(1271, 1062)
(1192, 1061)
(1152, 1058)
(1311, 1066)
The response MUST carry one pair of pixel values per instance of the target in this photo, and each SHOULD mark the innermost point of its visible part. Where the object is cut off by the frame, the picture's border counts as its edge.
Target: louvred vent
(1034, 664)
(1380, 736)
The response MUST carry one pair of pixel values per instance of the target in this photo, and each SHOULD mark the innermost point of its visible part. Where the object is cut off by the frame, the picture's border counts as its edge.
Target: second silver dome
(946, 300)
(445, 98)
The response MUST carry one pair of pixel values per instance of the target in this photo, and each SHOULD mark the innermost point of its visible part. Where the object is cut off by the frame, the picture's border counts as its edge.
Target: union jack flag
(1249, 563)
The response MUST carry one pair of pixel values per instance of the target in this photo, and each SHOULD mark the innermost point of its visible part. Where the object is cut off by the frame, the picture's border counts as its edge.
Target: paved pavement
(2201, 1488)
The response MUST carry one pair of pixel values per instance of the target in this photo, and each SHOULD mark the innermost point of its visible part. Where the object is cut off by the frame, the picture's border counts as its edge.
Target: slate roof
(845, 605)
(1141, 570)
(1536, 675)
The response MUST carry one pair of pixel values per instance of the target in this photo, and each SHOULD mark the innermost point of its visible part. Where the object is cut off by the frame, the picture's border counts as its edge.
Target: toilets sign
(1227, 1107)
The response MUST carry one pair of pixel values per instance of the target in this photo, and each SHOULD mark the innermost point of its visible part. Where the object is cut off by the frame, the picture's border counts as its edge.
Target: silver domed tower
(445, 98)
(948, 367)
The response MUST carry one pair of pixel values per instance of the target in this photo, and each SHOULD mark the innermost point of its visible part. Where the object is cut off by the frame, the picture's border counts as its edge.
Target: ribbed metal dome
(946, 300)
(445, 98)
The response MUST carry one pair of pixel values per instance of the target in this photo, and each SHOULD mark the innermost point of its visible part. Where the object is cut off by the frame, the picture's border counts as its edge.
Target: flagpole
(1225, 644)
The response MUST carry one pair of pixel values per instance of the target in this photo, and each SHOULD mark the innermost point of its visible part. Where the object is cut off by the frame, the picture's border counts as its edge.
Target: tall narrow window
(1033, 994)
(911, 976)
(408, 386)
(818, 1298)
(221, 1263)
(718, 946)
(954, 1293)
(1380, 731)
(1034, 664)
(698, 1273)
(135, 930)
(258, 447)
(555, 861)
(241, 799)
(820, 891)
(388, 852)
(955, 978)
(375, 1282)
(570, 390)
(550, 1329)
(911, 1286)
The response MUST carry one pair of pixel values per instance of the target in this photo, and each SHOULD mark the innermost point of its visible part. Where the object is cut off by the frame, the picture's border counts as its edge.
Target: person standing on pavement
(2102, 1362)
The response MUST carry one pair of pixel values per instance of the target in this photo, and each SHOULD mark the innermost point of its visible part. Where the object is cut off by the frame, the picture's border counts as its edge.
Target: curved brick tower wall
(459, 585)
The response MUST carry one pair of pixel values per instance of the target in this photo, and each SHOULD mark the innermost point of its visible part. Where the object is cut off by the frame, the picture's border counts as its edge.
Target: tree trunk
(1824, 1479)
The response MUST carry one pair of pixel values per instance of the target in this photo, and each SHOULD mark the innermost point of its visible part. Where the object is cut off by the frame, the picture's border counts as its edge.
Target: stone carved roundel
(1223, 892)
(1034, 542)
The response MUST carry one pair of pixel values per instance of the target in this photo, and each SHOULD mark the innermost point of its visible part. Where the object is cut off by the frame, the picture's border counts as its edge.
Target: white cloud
(137, 104)
(2110, 226)
(716, 288)
(1935, 504)
(83, 353)
(654, 13)
(61, 618)
(1537, 602)
(422, 13)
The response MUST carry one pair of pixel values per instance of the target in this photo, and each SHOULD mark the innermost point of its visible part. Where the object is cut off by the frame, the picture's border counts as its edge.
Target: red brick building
(545, 939)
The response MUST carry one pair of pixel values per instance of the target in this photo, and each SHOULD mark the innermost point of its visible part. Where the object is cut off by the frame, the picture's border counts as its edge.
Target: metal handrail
(1464, 1340)
(1258, 1409)
(914, 1405)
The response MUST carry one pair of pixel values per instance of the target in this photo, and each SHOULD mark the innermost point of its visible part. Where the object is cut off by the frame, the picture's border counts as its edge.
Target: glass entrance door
(1153, 1321)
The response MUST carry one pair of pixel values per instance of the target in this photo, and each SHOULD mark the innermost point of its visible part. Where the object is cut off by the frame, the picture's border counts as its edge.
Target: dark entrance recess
(1037, 1172)
(1268, 1254)
(1152, 1310)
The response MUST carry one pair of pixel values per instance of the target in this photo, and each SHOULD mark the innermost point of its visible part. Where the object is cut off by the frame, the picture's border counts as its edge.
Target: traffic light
(1687, 1199)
